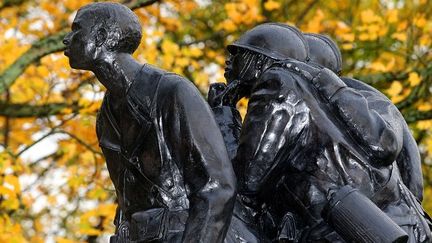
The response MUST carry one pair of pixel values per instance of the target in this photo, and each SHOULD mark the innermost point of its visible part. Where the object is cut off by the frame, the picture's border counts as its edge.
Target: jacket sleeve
(274, 120)
(372, 120)
(196, 143)
(229, 122)
(408, 160)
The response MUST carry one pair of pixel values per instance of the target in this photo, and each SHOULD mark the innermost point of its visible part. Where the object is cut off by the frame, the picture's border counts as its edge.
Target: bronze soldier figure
(313, 146)
(164, 152)
(251, 56)
(325, 52)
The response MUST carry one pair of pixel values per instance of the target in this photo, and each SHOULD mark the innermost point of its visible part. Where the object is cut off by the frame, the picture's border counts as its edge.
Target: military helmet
(275, 40)
(324, 51)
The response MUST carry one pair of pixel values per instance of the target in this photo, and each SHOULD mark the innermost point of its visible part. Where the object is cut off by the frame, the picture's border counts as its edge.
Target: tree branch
(25, 110)
(41, 48)
(10, 3)
(416, 116)
(303, 14)
(381, 77)
(82, 142)
(141, 3)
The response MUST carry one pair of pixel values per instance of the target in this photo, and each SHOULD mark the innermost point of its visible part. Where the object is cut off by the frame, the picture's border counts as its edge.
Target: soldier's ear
(101, 36)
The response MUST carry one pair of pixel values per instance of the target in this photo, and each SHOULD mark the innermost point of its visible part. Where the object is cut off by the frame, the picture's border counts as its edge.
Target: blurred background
(54, 186)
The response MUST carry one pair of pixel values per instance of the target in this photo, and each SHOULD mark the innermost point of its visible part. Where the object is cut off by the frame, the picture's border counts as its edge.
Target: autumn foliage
(54, 185)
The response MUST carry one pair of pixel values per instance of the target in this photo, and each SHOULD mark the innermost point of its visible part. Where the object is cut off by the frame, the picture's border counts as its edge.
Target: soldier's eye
(75, 26)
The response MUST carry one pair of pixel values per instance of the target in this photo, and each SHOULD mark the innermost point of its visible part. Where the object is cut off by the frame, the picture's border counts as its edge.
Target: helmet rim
(274, 36)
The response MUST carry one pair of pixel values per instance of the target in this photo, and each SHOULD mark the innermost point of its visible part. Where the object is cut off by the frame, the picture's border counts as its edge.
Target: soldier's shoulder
(165, 81)
(290, 69)
(174, 84)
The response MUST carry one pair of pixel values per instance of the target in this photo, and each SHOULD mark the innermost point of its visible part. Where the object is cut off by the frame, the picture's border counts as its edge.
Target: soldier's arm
(207, 170)
(274, 119)
(375, 123)
(227, 117)
(408, 160)
(229, 122)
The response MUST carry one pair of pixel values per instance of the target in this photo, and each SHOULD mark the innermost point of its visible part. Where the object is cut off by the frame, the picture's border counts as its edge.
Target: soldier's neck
(116, 72)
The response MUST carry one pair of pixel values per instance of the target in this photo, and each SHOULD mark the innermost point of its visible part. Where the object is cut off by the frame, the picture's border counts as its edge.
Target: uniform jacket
(305, 134)
(166, 152)
(408, 160)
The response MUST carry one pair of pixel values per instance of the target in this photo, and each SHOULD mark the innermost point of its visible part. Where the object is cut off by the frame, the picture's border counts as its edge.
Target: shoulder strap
(142, 107)
(305, 70)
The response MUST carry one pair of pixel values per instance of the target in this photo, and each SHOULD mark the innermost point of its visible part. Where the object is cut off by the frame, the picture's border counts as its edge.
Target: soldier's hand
(231, 94)
(222, 95)
(215, 94)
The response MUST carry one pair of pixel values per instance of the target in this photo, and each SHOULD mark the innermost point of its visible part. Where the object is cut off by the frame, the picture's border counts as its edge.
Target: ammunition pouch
(154, 225)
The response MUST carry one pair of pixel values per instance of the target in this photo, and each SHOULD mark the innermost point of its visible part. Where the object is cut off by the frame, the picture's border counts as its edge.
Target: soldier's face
(81, 42)
(229, 75)
(240, 66)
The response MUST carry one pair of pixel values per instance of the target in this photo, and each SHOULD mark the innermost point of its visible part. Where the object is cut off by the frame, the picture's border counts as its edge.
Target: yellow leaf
(170, 47)
(420, 22)
(368, 16)
(350, 37)
(12, 181)
(228, 25)
(347, 46)
(378, 66)
(425, 106)
(424, 125)
(395, 88)
(89, 231)
(315, 24)
(38, 225)
(42, 71)
(425, 40)
(64, 240)
(414, 79)
(10, 204)
(392, 16)
(399, 36)
(363, 37)
(195, 52)
(37, 239)
(271, 5)
(402, 25)
(242, 107)
(182, 61)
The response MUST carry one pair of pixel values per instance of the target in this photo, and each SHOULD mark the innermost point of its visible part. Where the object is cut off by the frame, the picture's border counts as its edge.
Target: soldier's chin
(77, 65)
(228, 77)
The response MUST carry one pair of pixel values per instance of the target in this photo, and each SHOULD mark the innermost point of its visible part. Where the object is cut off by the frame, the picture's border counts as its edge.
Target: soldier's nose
(66, 40)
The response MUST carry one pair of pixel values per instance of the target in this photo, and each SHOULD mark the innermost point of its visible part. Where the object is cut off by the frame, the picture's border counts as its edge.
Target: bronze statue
(317, 159)
(316, 154)
(254, 53)
(165, 154)
(325, 52)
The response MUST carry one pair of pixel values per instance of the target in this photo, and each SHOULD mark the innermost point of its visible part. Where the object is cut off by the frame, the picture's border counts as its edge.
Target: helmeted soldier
(256, 51)
(314, 146)
(165, 155)
(325, 52)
